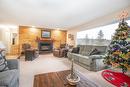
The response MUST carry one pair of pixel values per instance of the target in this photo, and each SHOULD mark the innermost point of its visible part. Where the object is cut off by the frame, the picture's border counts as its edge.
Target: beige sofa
(90, 62)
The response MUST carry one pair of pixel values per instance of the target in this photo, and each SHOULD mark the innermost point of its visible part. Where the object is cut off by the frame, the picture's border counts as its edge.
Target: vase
(72, 78)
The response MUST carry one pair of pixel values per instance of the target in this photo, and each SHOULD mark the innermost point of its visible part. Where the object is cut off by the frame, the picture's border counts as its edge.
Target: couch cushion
(94, 52)
(81, 49)
(8, 77)
(76, 50)
(3, 63)
(85, 49)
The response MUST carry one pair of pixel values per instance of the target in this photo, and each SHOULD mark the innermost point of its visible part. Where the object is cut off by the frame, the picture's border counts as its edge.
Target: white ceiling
(56, 13)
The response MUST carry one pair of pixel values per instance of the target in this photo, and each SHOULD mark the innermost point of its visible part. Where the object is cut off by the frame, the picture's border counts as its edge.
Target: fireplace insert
(45, 46)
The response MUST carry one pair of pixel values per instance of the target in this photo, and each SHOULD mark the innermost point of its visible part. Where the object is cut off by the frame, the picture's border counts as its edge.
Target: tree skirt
(116, 78)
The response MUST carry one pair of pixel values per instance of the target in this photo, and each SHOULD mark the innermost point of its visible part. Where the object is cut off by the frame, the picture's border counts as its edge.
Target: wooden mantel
(44, 39)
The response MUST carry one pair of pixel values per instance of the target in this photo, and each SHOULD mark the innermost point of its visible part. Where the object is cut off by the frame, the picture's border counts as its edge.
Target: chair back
(26, 46)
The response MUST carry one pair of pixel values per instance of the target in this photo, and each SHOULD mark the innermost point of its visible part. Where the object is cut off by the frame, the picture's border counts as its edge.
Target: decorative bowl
(73, 81)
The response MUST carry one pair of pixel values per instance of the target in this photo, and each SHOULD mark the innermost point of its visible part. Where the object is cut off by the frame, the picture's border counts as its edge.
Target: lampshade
(2, 46)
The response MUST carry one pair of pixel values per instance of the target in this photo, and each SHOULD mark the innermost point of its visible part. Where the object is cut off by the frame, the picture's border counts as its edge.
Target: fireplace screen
(45, 47)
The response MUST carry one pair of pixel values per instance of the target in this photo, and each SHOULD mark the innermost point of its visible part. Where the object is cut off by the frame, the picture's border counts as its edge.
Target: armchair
(29, 52)
(25, 46)
(60, 52)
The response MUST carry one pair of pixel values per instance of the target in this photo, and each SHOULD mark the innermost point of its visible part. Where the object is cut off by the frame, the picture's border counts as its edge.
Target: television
(45, 34)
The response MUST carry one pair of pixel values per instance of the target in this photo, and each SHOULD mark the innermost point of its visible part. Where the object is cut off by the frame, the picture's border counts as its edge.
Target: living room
(65, 43)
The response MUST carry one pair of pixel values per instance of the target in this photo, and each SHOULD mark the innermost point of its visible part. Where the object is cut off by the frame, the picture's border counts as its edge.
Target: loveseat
(10, 78)
(87, 59)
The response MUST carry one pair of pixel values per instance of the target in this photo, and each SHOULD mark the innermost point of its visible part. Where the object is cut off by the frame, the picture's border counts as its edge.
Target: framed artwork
(14, 35)
(46, 34)
(69, 35)
(72, 37)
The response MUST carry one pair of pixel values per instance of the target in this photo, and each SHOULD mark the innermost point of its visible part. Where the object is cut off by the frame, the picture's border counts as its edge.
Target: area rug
(116, 78)
(48, 63)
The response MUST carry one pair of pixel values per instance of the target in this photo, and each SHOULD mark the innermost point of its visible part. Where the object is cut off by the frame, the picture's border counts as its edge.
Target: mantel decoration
(118, 55)
(73, 78)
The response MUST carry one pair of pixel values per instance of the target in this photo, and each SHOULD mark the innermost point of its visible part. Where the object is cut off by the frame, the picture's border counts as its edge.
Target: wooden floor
(58, 79)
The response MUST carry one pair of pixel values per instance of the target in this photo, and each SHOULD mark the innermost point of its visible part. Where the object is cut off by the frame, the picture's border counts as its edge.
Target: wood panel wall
(29, 35)
(59, 37)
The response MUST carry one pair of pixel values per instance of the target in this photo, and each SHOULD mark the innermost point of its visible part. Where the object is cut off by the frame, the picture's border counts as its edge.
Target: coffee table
(58, 79)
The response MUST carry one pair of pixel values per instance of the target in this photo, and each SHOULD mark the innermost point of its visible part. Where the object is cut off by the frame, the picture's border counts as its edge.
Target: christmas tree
(118, 53)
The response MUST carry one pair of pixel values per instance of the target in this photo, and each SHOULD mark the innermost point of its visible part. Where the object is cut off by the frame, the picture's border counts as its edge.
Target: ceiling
(56, 13)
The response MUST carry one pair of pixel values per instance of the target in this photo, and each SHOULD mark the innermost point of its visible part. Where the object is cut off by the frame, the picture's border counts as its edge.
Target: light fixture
(32, 26)
(58, 28)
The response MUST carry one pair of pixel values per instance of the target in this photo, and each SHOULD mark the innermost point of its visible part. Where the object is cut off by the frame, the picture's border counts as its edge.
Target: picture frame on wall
(69, 35)
(45, 34)
(72, 37)
(14, 35)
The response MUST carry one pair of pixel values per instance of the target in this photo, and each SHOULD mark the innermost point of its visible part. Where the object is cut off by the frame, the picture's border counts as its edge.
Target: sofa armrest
(97, 62)
(13, 64)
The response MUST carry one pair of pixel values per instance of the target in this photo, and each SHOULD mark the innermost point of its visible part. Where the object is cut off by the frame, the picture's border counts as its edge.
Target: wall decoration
(14, 35)
(45, 34)
(71, 37)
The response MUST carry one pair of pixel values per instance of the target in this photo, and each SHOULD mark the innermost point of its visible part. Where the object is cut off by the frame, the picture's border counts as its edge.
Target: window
(97, 36)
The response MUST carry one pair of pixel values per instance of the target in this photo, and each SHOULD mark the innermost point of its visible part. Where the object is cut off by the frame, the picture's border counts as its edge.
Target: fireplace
(45, 45)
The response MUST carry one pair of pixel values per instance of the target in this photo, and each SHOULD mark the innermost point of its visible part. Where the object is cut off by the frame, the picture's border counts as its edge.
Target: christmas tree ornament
(128, 61)
(128, 46)
(123, 42)
(123, 50)
(113, 42)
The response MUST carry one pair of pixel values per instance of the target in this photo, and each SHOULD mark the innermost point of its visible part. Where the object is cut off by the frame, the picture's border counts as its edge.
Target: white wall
(105, 20)
(6, 32)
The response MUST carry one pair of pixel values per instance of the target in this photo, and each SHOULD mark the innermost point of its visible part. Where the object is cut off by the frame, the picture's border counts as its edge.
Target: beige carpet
(49, 63)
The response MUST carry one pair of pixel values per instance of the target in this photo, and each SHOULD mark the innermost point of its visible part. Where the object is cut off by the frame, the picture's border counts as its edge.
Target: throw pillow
(3, 63)
(76, 50)
(94, 52)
